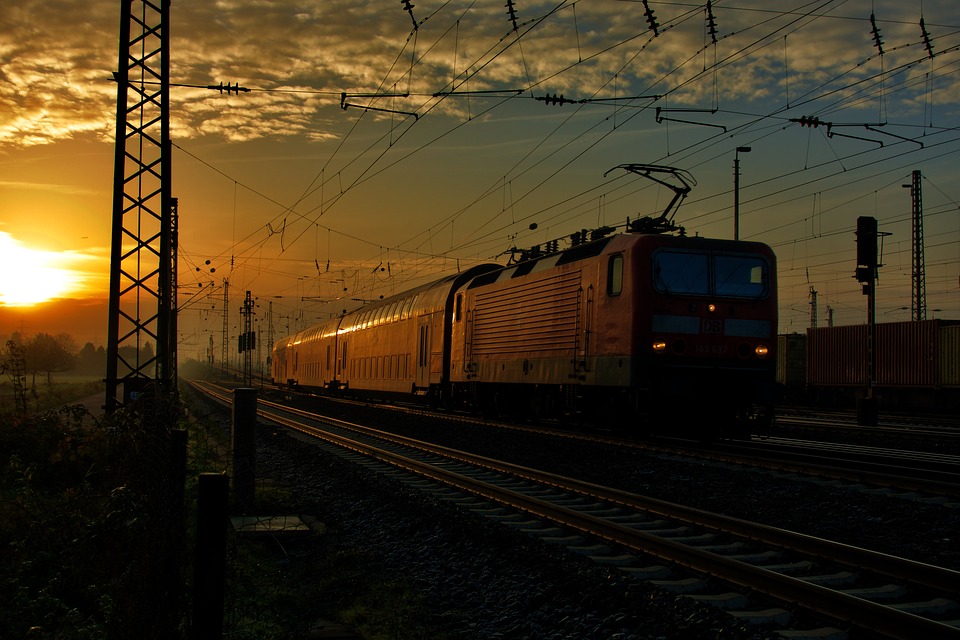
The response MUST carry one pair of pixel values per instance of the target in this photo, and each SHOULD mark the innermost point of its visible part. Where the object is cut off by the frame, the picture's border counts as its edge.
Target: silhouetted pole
(244, 445)
(866, 274)
(211, 558)
(736, 191)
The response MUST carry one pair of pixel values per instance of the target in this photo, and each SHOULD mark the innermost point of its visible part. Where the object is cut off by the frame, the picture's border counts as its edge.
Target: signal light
(867, 241)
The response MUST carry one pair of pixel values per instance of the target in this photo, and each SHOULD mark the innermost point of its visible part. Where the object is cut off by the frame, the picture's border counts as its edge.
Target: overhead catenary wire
(375, 165)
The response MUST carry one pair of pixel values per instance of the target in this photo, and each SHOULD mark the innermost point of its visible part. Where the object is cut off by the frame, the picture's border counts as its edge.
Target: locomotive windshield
(697, 273)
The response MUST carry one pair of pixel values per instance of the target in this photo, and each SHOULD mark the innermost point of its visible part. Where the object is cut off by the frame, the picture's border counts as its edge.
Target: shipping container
(917, 365)
(950, 356)
(907, 355)
(791, 360)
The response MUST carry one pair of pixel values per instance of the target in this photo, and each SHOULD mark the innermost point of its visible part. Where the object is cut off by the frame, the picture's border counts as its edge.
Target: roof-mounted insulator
(651, 19)
(926, 39)
(876, 34)
(512, 13)
(711, 22)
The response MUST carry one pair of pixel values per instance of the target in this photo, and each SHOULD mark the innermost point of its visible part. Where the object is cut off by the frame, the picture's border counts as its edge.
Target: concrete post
(244, 445)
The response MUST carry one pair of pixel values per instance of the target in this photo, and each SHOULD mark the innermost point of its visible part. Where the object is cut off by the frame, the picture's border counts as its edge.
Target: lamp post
(736, 191)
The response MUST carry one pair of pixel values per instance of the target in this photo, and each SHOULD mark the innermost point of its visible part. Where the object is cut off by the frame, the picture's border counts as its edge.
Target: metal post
(244, 445)
(867, 265)
(736, 191)
(141, 271)
(211, 557)
(918, 305)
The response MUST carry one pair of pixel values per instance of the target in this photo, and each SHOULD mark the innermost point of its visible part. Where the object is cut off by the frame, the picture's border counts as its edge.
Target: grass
(282, 586)
(46, 397)
(88, 546)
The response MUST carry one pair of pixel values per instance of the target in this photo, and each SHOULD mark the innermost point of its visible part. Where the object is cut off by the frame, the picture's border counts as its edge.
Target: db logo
(711, 325)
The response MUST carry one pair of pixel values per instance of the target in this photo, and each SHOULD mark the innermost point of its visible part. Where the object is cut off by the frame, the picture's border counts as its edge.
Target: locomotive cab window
(729, 276)
(615, 275)
(740, 276)
(681, 272)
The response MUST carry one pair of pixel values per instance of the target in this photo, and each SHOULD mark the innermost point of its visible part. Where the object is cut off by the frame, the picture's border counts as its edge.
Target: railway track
(938, 428)
(694, 550)
(916, 475)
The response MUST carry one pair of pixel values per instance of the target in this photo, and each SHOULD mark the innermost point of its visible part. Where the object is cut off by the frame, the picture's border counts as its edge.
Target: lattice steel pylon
(142, 271)
(918, 307)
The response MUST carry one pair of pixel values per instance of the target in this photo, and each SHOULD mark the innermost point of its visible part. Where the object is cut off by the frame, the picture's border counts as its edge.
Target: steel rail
(878, 618)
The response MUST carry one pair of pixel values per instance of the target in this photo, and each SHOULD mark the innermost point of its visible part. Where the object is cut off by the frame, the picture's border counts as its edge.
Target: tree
(12, 363)
(47, 354)
(92, 360)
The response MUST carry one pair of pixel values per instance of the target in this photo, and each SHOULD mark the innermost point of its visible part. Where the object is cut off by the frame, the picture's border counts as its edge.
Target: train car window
(615, 275)
(681, 272)
(740, 276)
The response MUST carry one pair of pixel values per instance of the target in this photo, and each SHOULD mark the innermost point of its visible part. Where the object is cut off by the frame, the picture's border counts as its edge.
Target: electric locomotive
(632, 326)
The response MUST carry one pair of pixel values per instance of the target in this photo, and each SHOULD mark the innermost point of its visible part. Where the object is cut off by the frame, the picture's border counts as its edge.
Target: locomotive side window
(740, 276)
(681, 272)
(615, 275)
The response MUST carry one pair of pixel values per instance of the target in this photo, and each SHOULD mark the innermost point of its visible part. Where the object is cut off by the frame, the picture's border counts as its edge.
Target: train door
(422, 377)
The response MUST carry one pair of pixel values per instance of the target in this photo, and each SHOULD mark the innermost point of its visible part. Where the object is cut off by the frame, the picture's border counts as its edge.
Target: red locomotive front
(706, 326)
(630, 325)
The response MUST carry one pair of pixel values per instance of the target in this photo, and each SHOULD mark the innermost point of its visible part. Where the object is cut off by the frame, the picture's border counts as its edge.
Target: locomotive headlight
(659, 346)
(711, 308)
(762, 351)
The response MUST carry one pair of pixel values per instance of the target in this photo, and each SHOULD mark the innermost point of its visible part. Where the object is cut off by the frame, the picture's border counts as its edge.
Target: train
(917, 365)
(643, 329)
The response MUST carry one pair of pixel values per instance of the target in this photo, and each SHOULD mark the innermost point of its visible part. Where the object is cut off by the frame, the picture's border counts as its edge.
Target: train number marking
(715, 349)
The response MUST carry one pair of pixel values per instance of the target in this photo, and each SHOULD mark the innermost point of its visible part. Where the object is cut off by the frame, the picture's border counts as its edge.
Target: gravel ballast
(475, 578)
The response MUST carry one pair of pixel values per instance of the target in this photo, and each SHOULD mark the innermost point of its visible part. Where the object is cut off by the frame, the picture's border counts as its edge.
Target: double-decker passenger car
(678, 329)
(392, 346)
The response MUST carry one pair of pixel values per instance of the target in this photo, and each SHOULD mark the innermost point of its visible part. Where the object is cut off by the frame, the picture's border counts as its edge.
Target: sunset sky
(313, 202)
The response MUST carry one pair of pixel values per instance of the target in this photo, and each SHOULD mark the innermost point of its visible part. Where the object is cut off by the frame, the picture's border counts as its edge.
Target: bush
(85, 534)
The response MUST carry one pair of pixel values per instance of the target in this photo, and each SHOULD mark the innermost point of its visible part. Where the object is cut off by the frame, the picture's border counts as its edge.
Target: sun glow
(29, 276)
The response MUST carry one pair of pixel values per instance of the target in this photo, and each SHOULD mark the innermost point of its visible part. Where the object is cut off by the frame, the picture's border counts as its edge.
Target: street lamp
(736, 191)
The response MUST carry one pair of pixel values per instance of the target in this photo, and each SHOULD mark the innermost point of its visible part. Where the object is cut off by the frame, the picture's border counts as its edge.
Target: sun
(29, 276)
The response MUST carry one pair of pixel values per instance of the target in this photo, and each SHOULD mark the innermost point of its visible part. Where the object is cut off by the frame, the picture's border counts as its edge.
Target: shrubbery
(82, 535)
